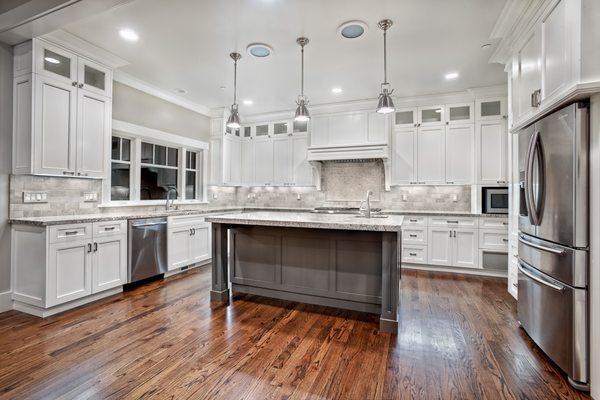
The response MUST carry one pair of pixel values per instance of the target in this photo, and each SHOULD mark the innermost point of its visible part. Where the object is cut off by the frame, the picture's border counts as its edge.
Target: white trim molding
(6, 302)
(133, 130)
(155, 91)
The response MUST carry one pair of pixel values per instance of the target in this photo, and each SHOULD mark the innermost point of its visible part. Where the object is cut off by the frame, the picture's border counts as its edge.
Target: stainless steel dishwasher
(147, 248)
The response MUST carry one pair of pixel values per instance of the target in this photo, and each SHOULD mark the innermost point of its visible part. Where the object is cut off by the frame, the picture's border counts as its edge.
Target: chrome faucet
(366, 211)
(167, 205)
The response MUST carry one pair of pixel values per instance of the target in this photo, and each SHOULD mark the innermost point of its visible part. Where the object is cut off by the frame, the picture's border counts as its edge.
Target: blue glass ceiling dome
(352, 29)
(259, 50)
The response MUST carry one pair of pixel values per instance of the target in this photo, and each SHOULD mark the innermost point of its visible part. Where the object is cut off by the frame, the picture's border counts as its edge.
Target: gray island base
(339, 261)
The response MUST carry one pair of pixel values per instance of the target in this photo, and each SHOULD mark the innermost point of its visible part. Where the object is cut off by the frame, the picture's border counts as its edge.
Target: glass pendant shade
(302, 114)
(233, 121)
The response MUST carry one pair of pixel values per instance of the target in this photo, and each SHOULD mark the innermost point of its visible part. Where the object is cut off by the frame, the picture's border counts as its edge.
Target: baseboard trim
(46, 312)
(6, 302)
(187, 268)
(465, 271)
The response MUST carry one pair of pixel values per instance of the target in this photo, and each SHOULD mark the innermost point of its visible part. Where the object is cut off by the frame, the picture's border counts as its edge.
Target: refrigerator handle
(538, 279)
(526, 242)
(531, 207)
(539, 206)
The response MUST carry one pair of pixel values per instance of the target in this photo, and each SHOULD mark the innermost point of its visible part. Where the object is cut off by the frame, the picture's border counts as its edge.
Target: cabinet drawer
(110, 228)
(185, 220)
(453, 221)
(412, 220)
(414, 254)
(414, 235)
(493, 223)
(67, 233)
(493, 240)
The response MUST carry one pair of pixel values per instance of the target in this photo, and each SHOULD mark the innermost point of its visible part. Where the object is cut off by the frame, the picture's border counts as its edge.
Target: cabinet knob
(74, 84)
(80, 85)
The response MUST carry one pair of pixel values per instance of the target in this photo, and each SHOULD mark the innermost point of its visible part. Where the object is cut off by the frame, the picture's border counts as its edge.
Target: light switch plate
(35, 197)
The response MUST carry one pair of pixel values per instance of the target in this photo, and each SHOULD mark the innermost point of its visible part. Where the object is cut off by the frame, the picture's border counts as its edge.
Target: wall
(5, 167)
(134, 106)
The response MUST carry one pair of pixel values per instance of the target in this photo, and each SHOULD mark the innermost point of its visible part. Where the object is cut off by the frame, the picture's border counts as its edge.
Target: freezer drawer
(555, 317)
(566, 264)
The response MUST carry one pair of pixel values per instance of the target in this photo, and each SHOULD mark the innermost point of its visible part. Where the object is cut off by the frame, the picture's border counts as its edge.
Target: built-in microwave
(494, 200)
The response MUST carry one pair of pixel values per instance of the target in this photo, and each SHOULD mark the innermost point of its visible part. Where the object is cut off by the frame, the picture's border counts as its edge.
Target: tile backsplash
(344, 184)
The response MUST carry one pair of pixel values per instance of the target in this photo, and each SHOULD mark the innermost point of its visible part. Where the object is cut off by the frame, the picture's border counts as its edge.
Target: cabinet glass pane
(404, 117)
(300, 126)
(155, 182)
(247, 131)
(490, 108)
(280, 128)
(262, 130)
(172, 156)
(119, 181)
(147, 153)
(431, 115)
(116, 148)
(160, 155)
(93, 77)
(57, 63)
(190, 184)
(191, 160)
(125, 149)
(460, 113)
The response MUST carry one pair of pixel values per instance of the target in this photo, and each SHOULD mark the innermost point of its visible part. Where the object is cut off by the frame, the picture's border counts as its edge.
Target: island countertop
(391, 223)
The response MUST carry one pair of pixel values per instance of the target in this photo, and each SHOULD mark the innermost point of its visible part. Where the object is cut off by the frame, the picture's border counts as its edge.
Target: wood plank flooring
(459, 339)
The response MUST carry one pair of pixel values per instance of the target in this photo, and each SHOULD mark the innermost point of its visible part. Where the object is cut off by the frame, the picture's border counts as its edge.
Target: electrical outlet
(35, 197)
(404, 197)
(298, 197)
(90, 197)
(455, 198)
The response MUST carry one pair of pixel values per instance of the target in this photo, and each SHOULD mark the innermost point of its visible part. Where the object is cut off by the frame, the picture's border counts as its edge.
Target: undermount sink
(372, 216)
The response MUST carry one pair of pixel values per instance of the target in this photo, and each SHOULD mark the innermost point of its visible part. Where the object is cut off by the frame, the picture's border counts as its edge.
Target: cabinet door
(431, 155)
(109, 262)
(440, 246)
(93, 133)
(94, 78)
(461, 113)
(492, 152)
(263, 161)
(530, 78)
(491, 108)
(404, 164)
(431, 116)
(247, 162)
(200, 245)
(179, 247)
(301, 168)
(379, 127)
(405, 118)
(319, 131)
(55, 119)
(465, 248)
(282, 163)
(216, 164)
(69, 272)
(232, 160)
(55, 63)
(556, 65)
(460, 140)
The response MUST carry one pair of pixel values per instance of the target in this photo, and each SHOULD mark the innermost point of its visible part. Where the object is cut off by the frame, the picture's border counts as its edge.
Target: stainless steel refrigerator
(553, 303)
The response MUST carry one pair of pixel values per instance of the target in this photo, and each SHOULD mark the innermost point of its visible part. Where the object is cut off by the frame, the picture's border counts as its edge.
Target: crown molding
(85, 48)
(155, 91)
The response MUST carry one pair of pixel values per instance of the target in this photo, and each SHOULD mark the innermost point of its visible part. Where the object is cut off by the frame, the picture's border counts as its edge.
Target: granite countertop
(388, 223)
(77, 219)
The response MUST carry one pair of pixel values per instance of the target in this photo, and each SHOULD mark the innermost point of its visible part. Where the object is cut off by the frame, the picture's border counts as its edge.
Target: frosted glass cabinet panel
(405, 118)
(280, 128)
(459, 113)
(431, 116)
(262, 130)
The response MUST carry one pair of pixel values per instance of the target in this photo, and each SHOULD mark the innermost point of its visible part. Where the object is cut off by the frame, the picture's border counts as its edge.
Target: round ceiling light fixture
(352, 29)
(259, 50)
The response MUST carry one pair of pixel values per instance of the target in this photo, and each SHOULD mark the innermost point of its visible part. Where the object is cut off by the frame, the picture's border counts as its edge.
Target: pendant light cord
(235, 82)
(385, 82)
(302, 74)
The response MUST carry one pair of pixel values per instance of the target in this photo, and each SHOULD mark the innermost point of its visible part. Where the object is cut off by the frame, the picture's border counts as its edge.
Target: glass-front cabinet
(300, 127)
(431, 115)
(280, 128)
(261, 130)
(459, 113)
(94, 77)
(405, 117)
(491, 109)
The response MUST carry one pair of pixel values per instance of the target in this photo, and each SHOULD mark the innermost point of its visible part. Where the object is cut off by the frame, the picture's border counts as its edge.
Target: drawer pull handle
(412, 254)
(452, 222)
(505, 240)
(413, 220)
(109, 228)
(411, 235)
(71, 233)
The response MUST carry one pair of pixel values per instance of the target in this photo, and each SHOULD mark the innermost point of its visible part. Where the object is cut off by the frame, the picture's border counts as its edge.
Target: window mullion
(136, 169)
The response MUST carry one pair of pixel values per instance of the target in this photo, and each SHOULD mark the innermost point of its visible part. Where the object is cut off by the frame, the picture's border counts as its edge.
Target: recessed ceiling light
(129, 34)
(181, 91)
(486, 45)
(259, 50)
(51, 60)
(336, 90)
(451, 75)
(352, 29)
(248, 102)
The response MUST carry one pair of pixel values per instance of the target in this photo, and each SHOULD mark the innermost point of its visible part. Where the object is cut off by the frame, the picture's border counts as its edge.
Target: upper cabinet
(555, 60)
(459, 114)
(491, 108)
(405, 118)
(63, 112)
(431, 116)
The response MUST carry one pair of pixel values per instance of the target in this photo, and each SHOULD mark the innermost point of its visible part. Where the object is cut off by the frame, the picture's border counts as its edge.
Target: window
(120, 170)
(158, 171)
(191, 174)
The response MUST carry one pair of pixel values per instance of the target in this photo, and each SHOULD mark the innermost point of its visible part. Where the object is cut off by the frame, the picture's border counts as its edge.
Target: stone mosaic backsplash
(344, 185)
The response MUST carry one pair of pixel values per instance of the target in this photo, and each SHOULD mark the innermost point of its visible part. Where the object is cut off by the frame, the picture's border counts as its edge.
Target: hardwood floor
(459, 339)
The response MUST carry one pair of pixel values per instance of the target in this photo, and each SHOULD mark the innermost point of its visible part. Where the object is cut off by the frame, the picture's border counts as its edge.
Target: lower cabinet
(457, 247)
(188, 241)
(57, 264)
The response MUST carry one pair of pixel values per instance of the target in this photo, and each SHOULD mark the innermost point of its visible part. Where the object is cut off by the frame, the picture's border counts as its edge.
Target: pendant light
(385, 104)
(301, 111)
(233, 121)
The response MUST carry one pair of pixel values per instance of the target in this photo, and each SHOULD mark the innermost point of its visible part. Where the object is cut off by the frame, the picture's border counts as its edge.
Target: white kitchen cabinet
(414, 254)
(290, 164)
(494, 240)
(350, 129)
(109, 262)
(319, 130)
(301, 169)
(232, 160)
(69, 272)
(379, 127)
(460, 141)
(247, 162)
(404, 156)
(263, 161)
(282, 166)
(492, 156)
(179, 247)
(188, 241)
(465, 248)
(67, 130)
(216, 160)
(460, 113)
(431, 155)
(405, 118)
(440, 246)
(432, 115)
(492, 108)
(529, 74)
(200, 243)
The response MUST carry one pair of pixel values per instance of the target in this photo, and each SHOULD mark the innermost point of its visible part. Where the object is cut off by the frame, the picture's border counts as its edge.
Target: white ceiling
(186, 44)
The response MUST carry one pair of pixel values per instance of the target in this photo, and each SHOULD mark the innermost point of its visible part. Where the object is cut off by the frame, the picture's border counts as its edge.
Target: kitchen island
(340, 260)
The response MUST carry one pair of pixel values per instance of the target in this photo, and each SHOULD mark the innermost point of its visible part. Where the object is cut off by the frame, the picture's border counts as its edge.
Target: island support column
(220, 280)
(390, 279)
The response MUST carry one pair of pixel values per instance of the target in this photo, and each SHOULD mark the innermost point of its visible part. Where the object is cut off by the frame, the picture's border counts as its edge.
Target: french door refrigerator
(553, 238)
